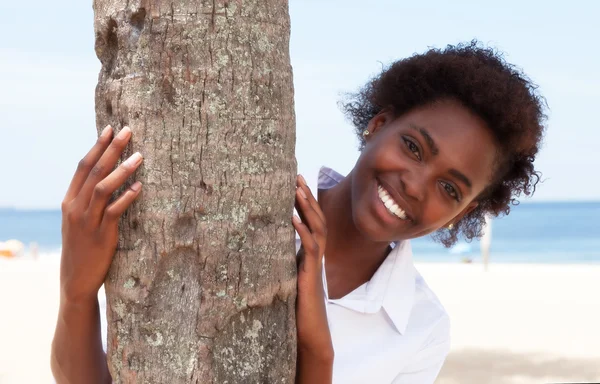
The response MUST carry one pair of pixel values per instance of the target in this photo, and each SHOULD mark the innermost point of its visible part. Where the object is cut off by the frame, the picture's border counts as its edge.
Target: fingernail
(136, 186)
(124, 133)
(106, 131)
(302, 179)
(296, 219)
(133, 160)
(302, 192)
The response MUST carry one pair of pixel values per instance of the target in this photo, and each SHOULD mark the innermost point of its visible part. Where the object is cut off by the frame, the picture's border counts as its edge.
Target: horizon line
(525, 202)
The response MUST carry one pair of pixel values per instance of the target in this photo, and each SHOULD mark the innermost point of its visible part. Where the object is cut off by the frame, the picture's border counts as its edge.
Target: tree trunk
(202, 288)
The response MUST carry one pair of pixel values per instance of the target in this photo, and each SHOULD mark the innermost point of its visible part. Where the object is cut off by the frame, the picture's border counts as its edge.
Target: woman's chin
(373, 230)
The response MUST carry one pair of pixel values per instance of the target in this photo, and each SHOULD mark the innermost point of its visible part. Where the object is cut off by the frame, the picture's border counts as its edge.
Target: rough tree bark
(202, 288)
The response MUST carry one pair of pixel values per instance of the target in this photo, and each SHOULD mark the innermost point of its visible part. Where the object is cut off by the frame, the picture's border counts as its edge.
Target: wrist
(323, 356)
(314, 368)
(73, 298)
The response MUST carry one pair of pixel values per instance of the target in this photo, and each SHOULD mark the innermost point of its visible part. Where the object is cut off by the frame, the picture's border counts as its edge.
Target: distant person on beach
(11, 248)
(447, 137)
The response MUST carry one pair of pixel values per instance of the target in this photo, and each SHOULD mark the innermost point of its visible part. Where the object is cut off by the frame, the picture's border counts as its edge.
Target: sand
(520, 323)
(28, 308)
(512, 324)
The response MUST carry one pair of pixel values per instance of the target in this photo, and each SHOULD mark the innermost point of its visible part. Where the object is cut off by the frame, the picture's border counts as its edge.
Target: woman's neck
(351, 258)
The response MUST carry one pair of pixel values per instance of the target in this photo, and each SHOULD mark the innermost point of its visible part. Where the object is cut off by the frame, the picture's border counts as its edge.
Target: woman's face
(428, 165)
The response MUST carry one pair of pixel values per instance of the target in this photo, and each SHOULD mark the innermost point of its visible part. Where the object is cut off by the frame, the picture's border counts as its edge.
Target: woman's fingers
(85, 165)
(103, 167)
(301, 183)
(116, 208)
(309, 216)
(105, 188)
(312, 250)
(310, 226)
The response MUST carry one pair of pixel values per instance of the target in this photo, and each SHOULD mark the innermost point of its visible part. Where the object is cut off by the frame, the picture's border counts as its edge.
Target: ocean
(548, 232)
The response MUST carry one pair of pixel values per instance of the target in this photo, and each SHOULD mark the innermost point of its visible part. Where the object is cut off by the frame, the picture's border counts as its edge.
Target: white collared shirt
(391, 329)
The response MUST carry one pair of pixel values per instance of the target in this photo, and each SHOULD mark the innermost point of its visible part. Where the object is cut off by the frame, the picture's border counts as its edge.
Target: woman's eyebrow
(427, 137)
(460, 176)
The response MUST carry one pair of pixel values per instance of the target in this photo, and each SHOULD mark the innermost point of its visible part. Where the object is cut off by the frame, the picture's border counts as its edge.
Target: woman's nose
(415, 185)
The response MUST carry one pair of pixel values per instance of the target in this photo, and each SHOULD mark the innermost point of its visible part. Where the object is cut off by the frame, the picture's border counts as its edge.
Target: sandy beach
(512, 324)
(520, 323)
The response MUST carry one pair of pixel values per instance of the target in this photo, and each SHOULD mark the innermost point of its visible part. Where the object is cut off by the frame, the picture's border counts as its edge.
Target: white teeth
(390, 204)
(400, 213)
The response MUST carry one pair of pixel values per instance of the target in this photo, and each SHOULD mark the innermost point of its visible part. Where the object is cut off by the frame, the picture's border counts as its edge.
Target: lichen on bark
(202, 288)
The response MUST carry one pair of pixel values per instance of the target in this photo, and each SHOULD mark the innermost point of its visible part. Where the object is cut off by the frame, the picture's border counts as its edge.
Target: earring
(450, 226)
(366, 133)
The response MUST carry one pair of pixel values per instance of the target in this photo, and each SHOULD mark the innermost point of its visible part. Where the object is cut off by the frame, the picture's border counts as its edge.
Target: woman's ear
(468, 209)
(378, 121)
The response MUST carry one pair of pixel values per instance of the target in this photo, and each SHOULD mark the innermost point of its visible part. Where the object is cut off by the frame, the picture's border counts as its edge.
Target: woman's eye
(451, 191)
(413, 148)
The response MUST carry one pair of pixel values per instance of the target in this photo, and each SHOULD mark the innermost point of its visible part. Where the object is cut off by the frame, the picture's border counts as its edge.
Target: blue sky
(48, 71)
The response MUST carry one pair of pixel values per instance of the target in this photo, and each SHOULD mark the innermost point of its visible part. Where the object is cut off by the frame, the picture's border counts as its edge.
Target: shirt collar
(328, 178)
(393, 284)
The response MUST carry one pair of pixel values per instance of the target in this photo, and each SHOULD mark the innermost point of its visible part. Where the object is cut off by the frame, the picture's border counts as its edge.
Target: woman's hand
(89, 222)
(315, 349)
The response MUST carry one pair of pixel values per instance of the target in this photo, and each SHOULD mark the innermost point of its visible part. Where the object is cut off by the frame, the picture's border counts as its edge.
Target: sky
(48, 72)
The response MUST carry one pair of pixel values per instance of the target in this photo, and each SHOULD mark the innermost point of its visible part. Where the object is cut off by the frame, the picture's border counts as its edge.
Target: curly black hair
(480, 79)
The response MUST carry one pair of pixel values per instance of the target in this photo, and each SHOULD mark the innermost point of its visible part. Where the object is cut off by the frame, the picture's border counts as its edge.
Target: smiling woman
(447, 137)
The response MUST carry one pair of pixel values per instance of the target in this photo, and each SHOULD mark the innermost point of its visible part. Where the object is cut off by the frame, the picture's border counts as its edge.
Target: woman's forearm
(312, 369)
(77, 354)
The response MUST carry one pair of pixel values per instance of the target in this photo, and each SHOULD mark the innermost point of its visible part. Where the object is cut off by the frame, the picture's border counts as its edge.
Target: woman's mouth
(390, 204)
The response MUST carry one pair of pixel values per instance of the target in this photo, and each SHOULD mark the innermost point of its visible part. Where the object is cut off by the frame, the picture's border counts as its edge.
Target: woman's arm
(89, 241)
(315, 348)
(314, 369)
(77, 354)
